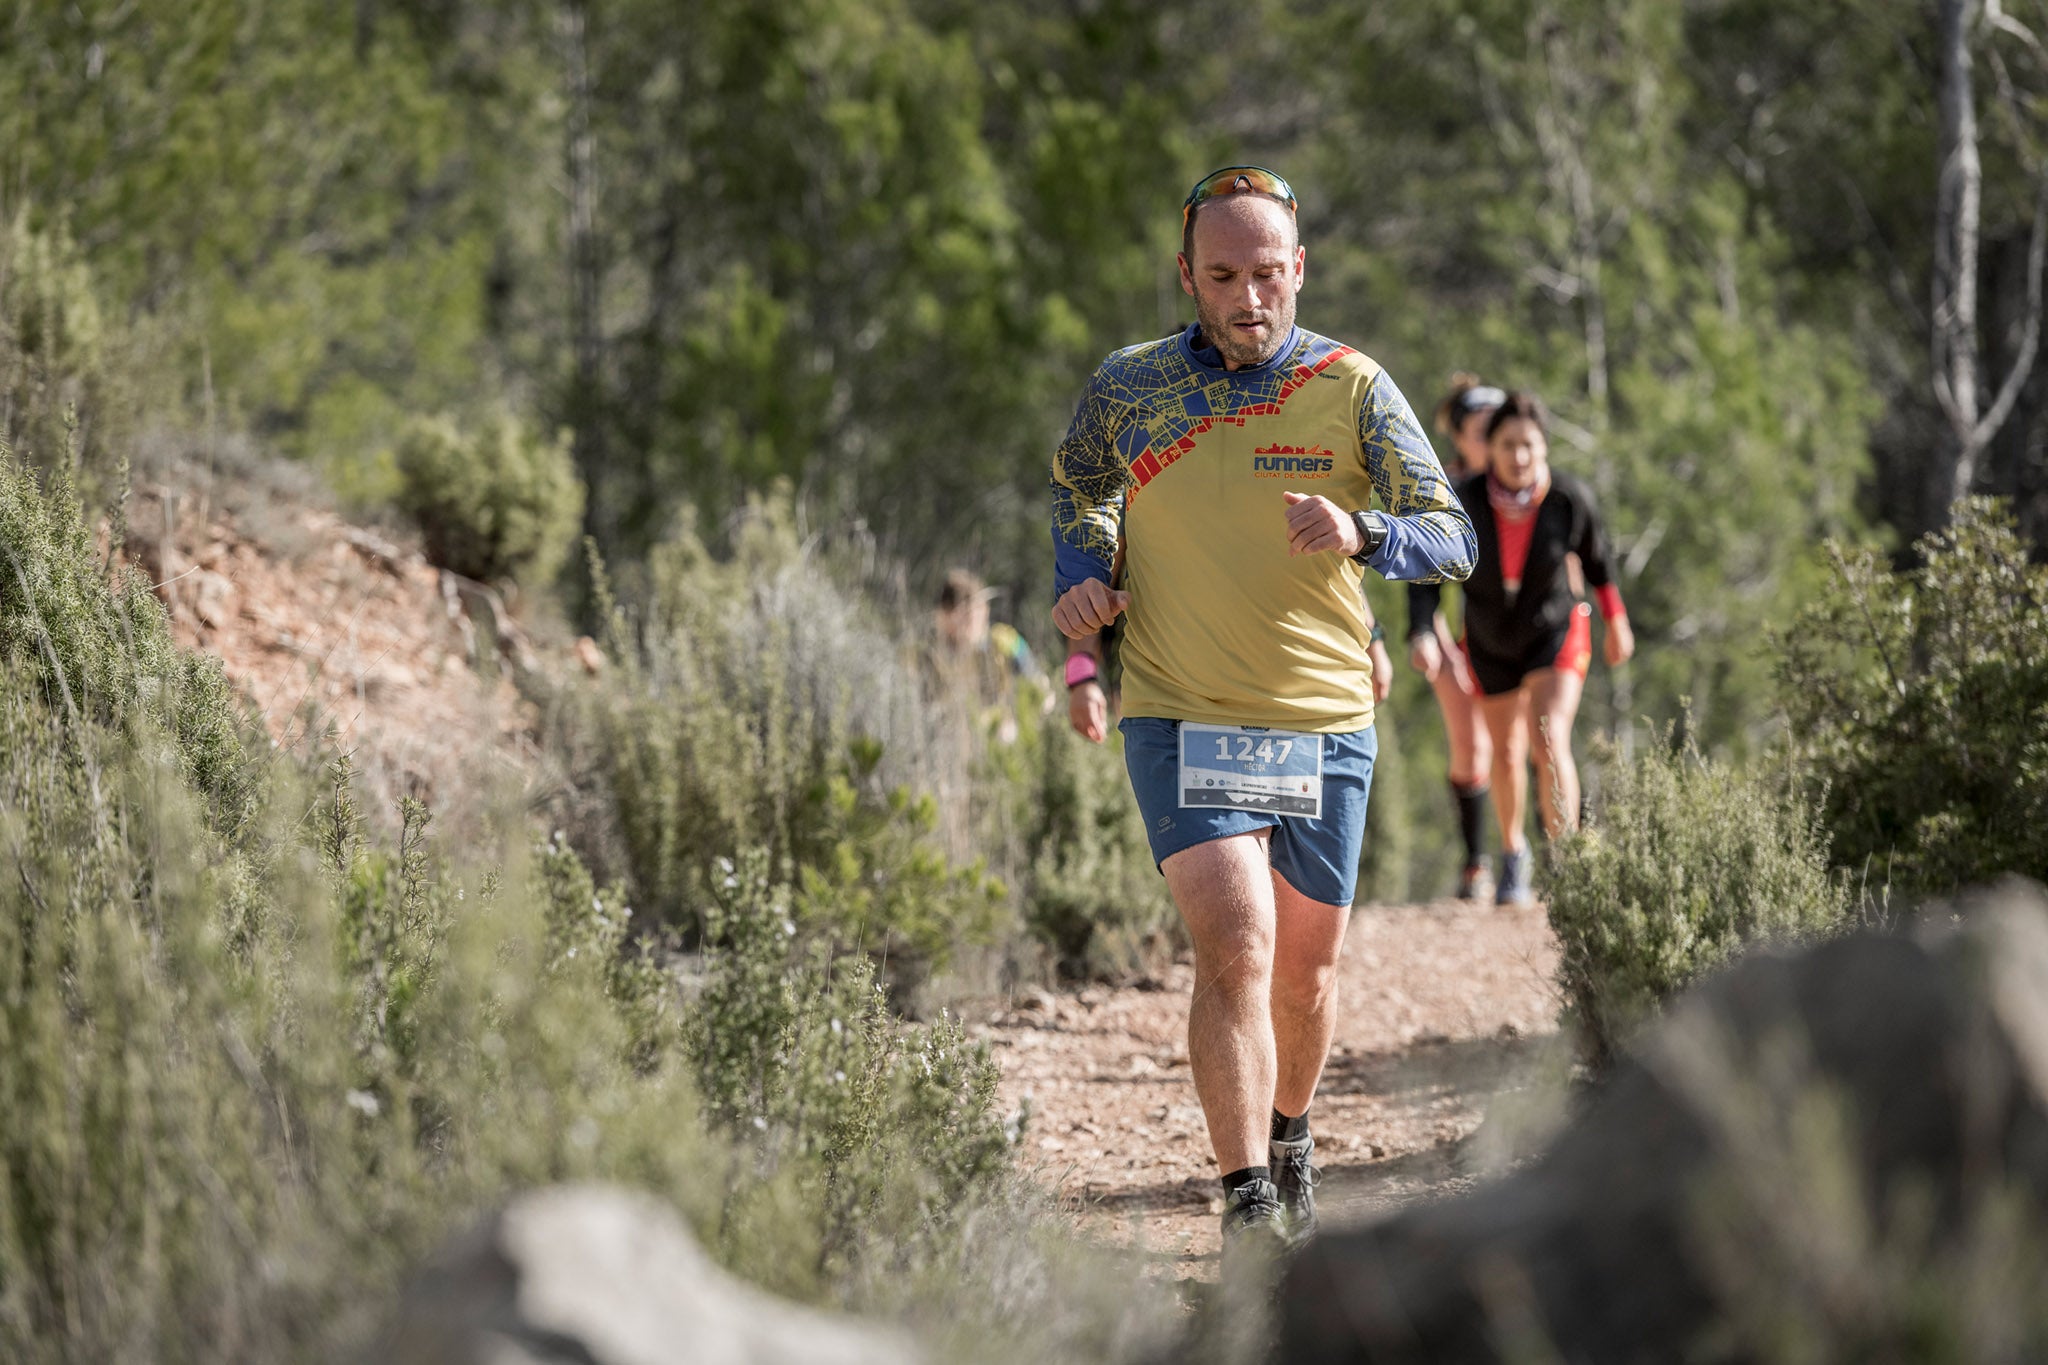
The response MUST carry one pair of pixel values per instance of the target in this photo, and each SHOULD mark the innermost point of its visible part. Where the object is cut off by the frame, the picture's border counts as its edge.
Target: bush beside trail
(1684, 864)
(494, 500)
(100, 655)
(67, 396)
(1918, 705)
(1915, 764)
(764, 699)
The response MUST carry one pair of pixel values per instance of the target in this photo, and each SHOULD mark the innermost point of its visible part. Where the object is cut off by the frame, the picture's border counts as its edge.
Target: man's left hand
(1382, 671)
(1315, 524)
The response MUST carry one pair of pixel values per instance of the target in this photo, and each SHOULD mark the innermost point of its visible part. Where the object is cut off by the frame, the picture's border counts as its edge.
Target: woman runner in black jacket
(1528, 638)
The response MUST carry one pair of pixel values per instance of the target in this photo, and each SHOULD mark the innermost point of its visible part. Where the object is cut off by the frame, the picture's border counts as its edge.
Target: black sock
(1289, 1129)
(1245, 1177)
(1472, 820)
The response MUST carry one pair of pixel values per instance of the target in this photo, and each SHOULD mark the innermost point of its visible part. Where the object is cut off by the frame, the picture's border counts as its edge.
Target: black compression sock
(1472, 820)
(1287, 1129)
(1246, 1177)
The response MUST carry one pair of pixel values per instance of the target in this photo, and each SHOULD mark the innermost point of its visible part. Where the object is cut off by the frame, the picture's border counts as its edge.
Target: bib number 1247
(1243, 767)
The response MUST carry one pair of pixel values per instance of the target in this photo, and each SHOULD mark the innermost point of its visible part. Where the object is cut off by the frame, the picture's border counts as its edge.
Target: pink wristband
(1080, 669)
(1609, 596)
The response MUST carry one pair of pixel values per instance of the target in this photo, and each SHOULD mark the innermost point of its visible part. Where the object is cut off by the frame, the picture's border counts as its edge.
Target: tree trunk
(1956, 349)
(1957, 223)
(585, 323)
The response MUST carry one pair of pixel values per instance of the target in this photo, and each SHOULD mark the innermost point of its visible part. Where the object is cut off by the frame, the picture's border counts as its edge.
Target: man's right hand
(1088, 607)
(1425, 656)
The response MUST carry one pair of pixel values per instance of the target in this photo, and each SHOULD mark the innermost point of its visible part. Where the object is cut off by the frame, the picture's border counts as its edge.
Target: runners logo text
(1293, 462)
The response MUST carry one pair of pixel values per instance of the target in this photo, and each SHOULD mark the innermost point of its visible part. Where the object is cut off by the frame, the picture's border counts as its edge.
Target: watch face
(1370, 530)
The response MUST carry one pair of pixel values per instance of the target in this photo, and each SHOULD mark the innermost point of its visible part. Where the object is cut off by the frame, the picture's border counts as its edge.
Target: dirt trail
(1441, 1007)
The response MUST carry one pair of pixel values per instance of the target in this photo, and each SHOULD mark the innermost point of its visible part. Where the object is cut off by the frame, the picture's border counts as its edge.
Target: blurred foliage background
(776, 308)
(871, 251)
(626, 272)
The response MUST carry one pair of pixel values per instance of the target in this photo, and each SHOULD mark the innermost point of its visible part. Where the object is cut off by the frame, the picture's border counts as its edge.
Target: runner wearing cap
(1237, 462)
(1434, 651)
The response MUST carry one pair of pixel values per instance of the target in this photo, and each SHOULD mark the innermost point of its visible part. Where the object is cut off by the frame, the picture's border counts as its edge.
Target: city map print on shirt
(1148, 405)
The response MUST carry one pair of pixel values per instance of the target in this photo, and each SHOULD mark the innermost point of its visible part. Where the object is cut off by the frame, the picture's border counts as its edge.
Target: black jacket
(1538, 614)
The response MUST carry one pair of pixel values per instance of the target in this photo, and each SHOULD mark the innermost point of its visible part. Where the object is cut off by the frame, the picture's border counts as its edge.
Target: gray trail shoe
(1296, 1179)
(1517, 867)
(1254, 1235)
(1475, 883)
(1253, 1210)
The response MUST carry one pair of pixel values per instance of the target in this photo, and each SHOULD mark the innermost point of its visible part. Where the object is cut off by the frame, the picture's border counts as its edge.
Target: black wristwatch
(1373, 528)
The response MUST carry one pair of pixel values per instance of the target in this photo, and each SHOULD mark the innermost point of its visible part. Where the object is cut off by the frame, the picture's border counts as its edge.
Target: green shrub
(1091, 893)
(63, 400)
(797, 1043)
(241, 1095)
(871, 874)
(764, 698)
(102, 654)
(588, 930)
(757, 702)
(230, 1150)
(1684, 864)
(494, 502)
(1918, 703)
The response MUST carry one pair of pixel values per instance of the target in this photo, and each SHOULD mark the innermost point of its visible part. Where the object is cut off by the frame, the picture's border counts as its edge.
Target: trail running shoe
(1475, 883)
(1296, 1180)
(1517, 867)
(1252, 1212)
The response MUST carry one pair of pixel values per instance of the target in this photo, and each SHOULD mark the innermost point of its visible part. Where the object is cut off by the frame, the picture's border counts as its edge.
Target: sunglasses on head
(1237, 180)
(1478, 398)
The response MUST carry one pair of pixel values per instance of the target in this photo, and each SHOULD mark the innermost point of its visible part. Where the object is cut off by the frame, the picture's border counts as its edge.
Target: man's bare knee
(1223, 889)
(1239, 954)
(1303, 988)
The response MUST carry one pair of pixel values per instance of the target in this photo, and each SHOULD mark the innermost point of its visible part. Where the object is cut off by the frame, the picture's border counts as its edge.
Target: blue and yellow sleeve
(1089, 475)
(1429, 537)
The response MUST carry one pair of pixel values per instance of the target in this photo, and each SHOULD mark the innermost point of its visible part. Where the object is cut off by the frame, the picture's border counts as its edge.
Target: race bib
(1243, 767)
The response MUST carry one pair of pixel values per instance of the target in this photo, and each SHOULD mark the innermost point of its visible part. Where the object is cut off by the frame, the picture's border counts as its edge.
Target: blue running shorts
(1319, 858)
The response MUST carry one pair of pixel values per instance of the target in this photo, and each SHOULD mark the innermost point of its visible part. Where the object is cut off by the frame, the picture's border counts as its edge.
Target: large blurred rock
(597, 1276)
(1798, 1140)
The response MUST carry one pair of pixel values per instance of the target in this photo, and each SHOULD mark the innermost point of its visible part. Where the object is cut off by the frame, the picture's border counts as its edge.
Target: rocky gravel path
(1442, 1008)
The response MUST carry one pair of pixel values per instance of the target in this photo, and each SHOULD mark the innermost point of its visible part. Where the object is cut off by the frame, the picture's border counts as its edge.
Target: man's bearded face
(1246, 271)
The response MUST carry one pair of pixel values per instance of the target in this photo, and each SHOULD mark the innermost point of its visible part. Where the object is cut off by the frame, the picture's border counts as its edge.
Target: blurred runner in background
(986, 658)
(1529, 639)
(1434, 651)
